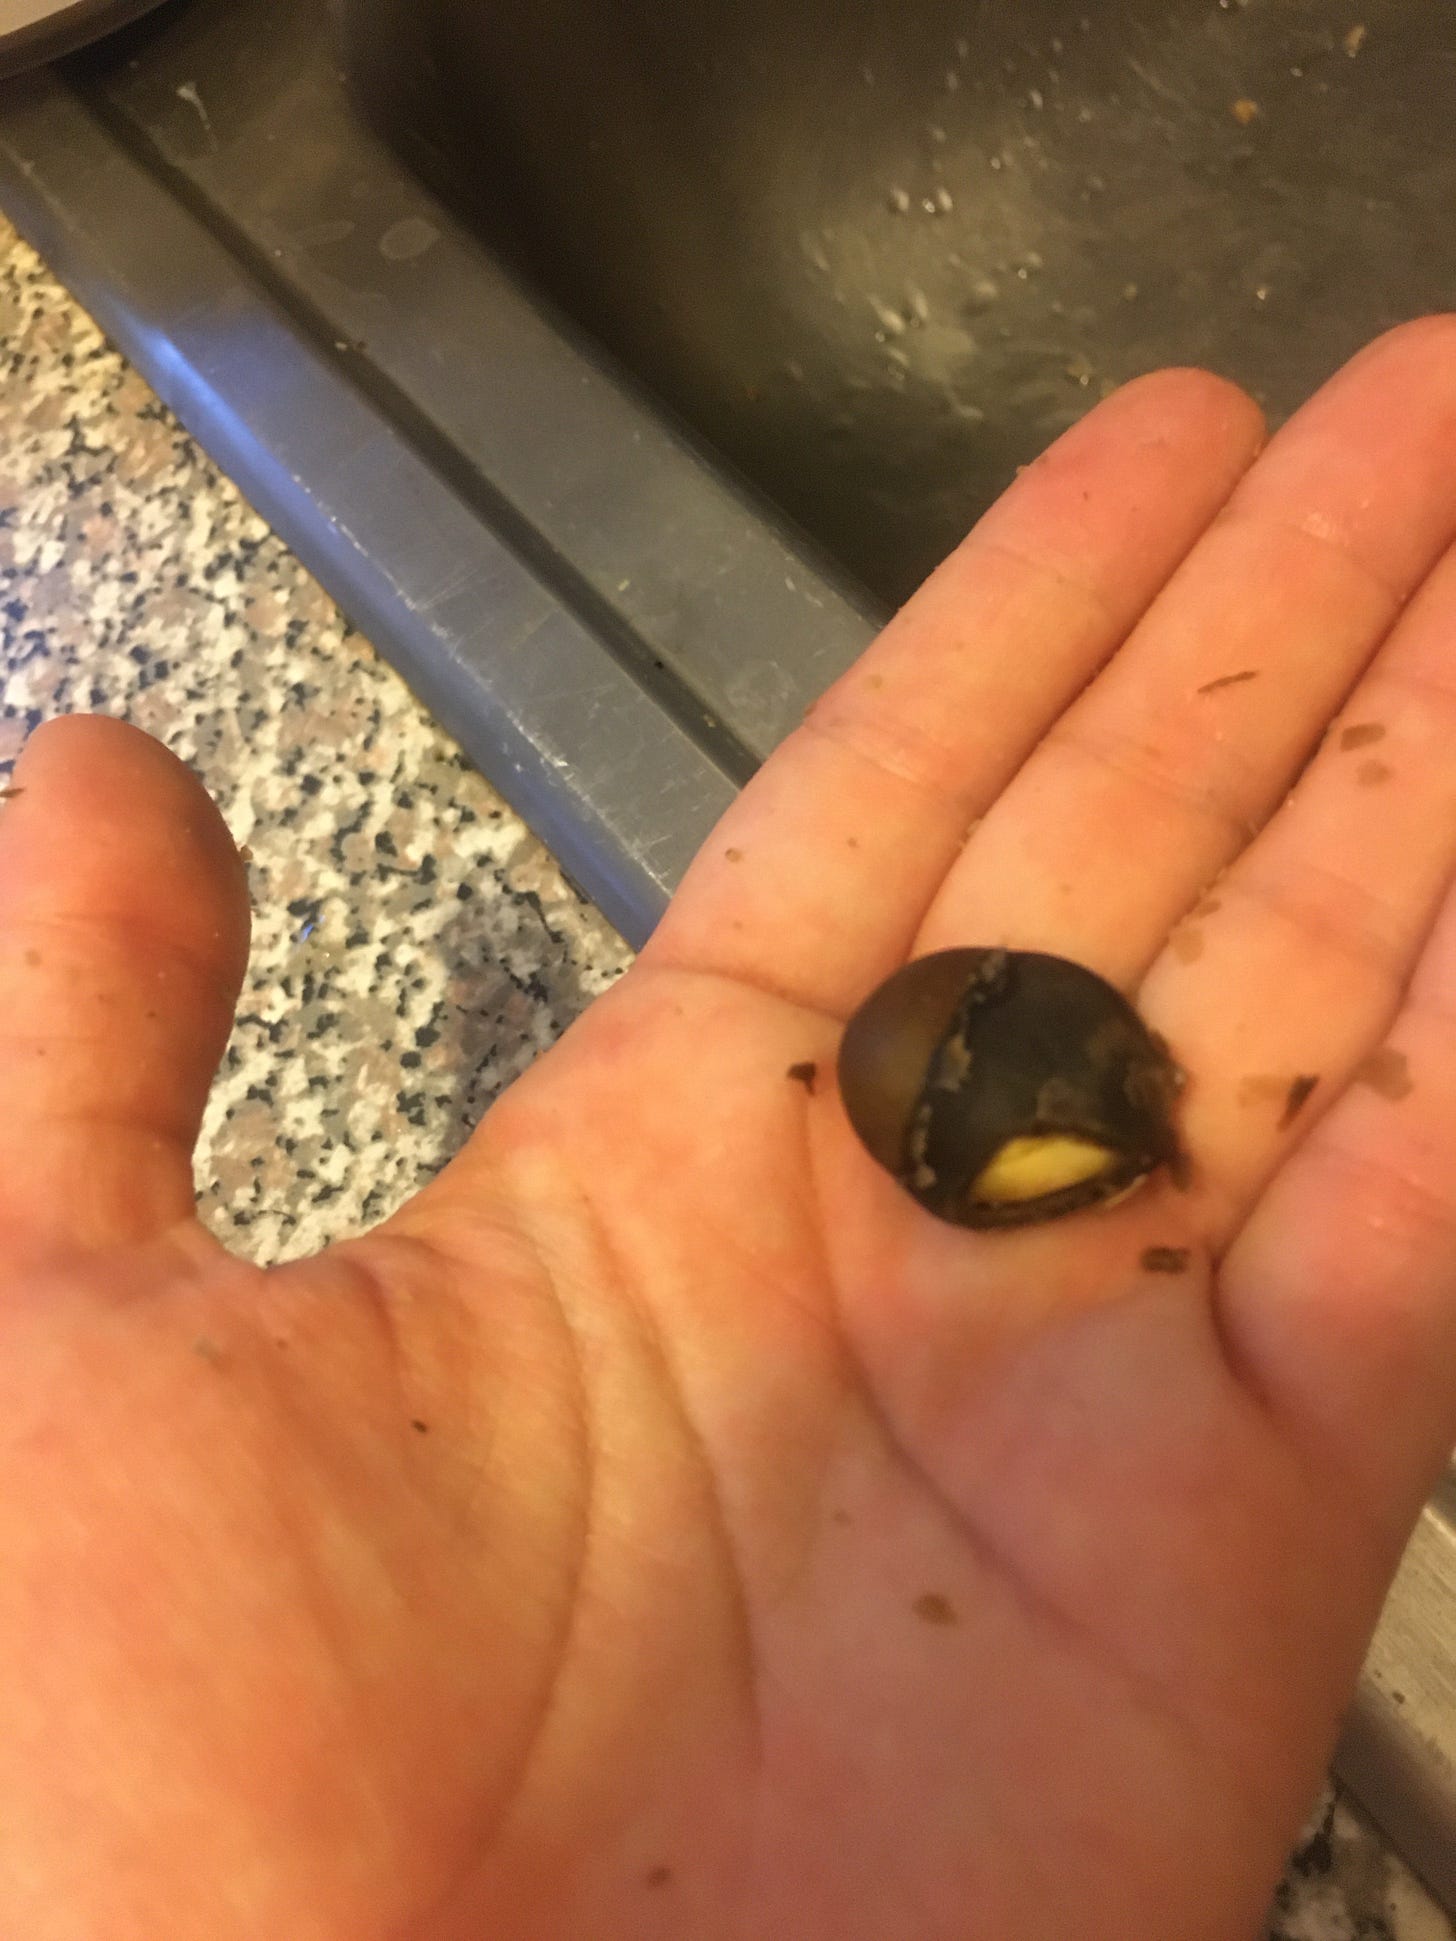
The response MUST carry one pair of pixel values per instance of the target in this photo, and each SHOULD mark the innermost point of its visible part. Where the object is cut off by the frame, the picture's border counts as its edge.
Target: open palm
(664, 1528)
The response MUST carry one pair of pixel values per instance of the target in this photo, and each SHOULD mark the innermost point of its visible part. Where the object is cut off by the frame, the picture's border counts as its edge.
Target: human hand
(662, 1526)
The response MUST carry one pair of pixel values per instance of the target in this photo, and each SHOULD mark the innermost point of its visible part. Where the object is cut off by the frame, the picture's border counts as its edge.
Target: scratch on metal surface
(1150, 80)
(455, 583)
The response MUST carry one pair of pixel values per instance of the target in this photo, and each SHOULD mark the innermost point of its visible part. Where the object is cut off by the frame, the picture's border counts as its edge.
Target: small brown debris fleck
(1187, 944)
(660, 1877)
(1230, 680)
(1297, 1098)
(733, 855)
(9, 795)
(1361, 734)
(32, 959)
(1355, 40)
(420, 1428)
(805, 1075)
(209, 1351)
(1386, 1071)
(874, 680)
(1167, 1260)
(843, 1518)
(851, 842)
(245, 854)
(1371, 774)
(935, 1609)
(1244, 111)
(1263, 1088)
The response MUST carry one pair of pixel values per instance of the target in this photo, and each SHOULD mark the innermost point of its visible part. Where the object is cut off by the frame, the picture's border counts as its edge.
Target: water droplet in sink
(899, 200)
(981, 294)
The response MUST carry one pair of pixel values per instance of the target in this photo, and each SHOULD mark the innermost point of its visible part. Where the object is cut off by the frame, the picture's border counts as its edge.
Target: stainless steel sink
(881, 254)
(615, 368)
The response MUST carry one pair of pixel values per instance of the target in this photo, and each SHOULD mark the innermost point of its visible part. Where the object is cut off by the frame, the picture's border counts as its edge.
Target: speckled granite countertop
(414, 945)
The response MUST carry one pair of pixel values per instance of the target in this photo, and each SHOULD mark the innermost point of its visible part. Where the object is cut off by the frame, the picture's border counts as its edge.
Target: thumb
(123, 940)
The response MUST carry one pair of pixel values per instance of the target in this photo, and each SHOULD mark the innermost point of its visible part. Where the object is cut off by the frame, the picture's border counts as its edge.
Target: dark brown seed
(1361, 735)
(934, 1609)
(804, 1075)
(420, 1428)
(733, 855)
(9, 795)
(1167, 1260)
(968, 1055)
(1387, 1072)
(1229, 680)
(1296, 1099)
(1371, 774)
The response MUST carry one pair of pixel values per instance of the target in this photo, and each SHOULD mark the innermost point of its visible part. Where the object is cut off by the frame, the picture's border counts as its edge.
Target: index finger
(816, 881)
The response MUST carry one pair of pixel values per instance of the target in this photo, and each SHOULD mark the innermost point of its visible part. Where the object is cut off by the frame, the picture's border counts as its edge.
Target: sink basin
(879, 255)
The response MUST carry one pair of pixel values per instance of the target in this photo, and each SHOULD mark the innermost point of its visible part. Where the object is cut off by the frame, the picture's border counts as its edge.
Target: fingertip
(95, 757)
(134, 827)
(1192, 401)
(124, 921)
(1420, 340)
(1121, 498)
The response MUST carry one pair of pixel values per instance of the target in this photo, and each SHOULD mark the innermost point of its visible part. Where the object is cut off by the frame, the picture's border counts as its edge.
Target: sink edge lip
(623, 823)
